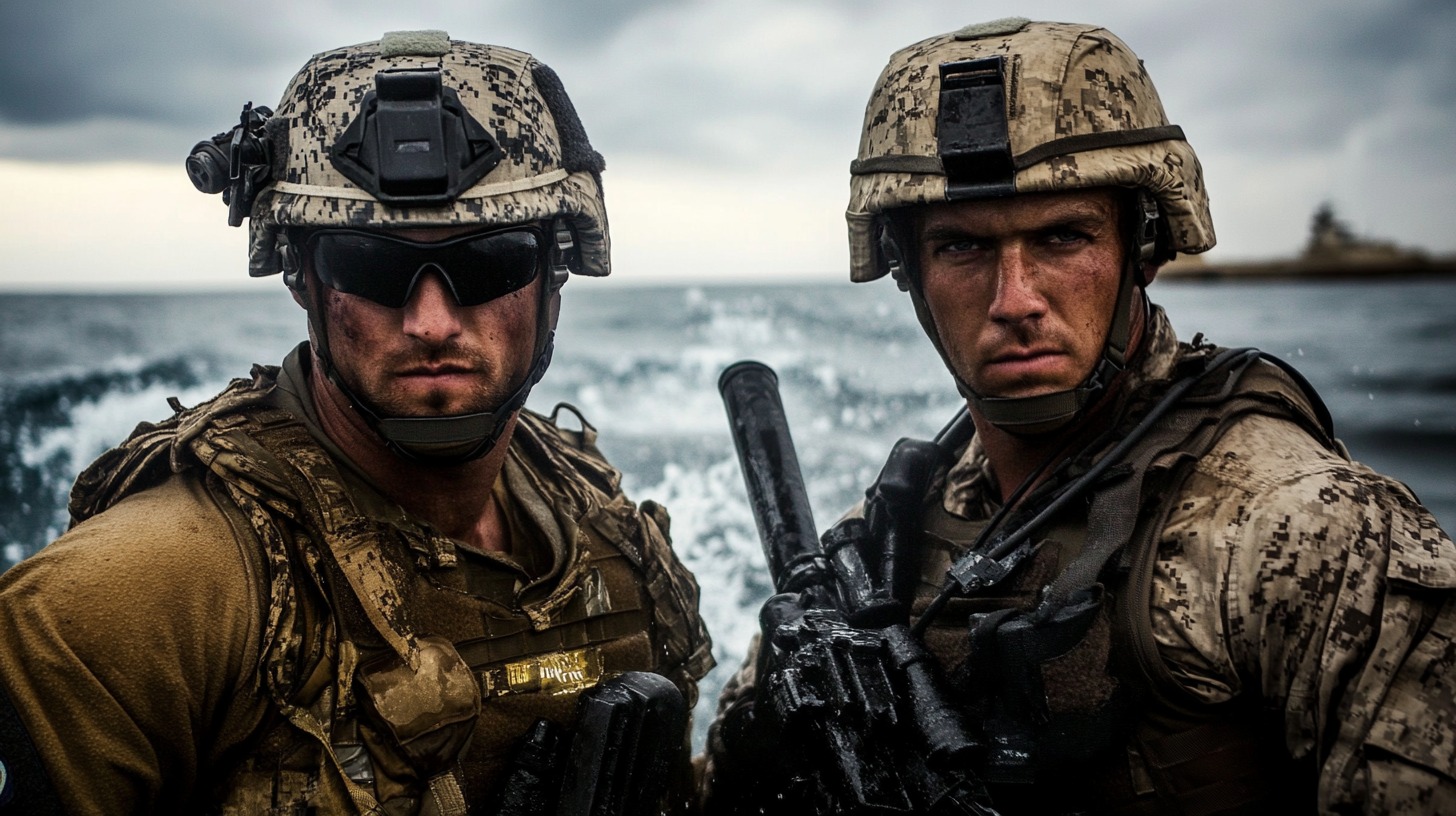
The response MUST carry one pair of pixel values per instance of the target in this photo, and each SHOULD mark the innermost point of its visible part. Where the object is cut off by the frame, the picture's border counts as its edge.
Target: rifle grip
(948, 742)
(867, 605)
(629, 735)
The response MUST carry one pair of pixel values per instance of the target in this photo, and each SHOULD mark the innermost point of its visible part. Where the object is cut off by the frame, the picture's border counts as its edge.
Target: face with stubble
(1022, 289)
(432, 356)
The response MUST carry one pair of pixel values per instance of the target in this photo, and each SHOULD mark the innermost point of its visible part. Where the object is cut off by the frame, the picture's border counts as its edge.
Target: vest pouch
(1049, 698)
(425, 716)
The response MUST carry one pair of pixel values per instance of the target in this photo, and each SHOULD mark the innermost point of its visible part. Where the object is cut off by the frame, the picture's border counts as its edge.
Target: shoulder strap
(1204, 406)
(1199, 417)
(642, 534)
(1273, 386)
(351, 541)
(154, 451)
(572, 451)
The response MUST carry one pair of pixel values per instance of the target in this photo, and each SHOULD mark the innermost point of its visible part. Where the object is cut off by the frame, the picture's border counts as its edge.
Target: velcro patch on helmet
(975, 149)
(992, 28)
(577, 154)
(428, 43)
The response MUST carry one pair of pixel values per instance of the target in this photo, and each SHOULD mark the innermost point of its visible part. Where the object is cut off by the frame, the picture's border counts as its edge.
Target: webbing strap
(1169, 425)
(932, 165)
(1098, 141)
(352, 540)
(1113, 513)
(495, 649)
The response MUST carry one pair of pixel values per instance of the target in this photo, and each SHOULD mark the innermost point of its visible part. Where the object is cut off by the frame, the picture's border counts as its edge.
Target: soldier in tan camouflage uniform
(352, 583)
(1260, 624)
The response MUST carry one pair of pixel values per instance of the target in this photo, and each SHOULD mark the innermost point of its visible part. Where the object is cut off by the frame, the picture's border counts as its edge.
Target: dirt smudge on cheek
(343, 321)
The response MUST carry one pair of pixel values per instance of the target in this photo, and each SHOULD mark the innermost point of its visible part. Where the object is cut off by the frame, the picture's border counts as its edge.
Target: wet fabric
(231, 632)
(1290, 590)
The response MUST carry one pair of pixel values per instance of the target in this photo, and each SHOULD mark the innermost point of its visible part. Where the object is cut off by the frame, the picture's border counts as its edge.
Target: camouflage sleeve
(1329, 588)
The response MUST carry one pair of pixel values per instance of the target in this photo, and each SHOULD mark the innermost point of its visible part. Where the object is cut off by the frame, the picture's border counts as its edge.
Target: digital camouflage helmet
(416, 130)
(1012, 107)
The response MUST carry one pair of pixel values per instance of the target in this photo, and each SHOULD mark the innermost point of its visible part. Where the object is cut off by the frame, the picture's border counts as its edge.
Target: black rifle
(850, 715)
(627, 744)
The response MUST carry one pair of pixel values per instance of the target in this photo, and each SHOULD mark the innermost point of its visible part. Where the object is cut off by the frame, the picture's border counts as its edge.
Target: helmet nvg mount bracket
(390, 134)
(1023, 107)
(413, 142)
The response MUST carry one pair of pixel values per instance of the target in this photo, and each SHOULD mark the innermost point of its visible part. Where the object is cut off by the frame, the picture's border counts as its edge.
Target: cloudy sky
(728, 125)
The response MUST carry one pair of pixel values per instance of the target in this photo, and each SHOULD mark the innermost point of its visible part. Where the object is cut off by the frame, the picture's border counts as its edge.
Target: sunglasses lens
(384, 269)
(368, 266)
(491, 266)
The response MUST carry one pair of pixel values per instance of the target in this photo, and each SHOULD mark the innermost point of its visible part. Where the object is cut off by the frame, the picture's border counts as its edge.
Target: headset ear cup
(1164, 252)
(893, 256)
(565, 253)
(1149, 231)
(290, 260)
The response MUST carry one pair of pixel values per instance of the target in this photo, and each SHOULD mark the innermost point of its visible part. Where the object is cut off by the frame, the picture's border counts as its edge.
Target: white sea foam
(715, 536)
(95, 425)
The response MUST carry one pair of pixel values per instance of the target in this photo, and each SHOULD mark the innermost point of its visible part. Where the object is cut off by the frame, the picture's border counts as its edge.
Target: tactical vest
(1059, 662)
(402, 676)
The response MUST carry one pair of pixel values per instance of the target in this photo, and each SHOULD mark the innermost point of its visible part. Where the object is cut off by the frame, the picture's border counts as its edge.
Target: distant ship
(1333, 251)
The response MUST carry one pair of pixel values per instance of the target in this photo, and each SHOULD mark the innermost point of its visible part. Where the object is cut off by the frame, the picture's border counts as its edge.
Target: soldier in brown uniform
(1153, 581)
(352, 583)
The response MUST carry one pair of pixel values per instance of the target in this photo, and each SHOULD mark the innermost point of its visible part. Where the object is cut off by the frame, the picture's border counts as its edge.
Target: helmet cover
(1080, 112)
(546, 167)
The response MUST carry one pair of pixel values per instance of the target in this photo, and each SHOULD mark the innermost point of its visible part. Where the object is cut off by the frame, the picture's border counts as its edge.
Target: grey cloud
(132, 80)
(1269, 82)
(76, 60)
(698, 113)
(581, 23)
(1301, 77)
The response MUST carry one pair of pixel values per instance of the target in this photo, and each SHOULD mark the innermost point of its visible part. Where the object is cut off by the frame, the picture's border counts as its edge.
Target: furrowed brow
(1080, 222)
(942, 232)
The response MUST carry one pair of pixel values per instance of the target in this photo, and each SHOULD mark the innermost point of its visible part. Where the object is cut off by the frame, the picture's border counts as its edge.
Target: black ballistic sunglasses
(477, 268)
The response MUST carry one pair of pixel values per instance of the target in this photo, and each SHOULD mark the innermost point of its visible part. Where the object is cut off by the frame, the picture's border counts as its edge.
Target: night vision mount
(975, 148)
(236, 163)
(414, 143)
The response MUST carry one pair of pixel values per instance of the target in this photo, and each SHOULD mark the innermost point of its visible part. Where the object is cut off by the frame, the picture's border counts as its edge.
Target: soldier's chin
(442, 404)
(1023, 390)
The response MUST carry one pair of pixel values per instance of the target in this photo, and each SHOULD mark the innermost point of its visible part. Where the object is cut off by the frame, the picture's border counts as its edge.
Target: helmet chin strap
(447, 440)
(1047, 413)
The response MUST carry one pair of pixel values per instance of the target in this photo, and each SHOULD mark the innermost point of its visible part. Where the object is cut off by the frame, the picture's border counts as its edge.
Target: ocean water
(78, 372)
